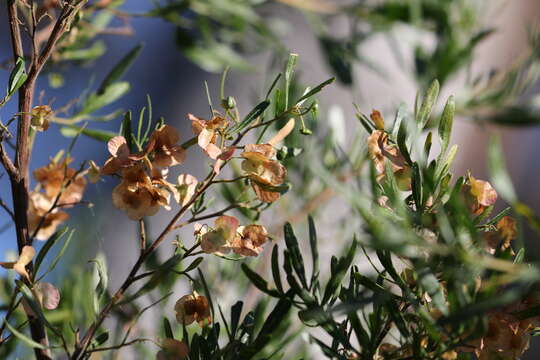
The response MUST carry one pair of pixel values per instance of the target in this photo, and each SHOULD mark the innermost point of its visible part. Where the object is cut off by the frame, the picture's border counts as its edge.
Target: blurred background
(380, 79)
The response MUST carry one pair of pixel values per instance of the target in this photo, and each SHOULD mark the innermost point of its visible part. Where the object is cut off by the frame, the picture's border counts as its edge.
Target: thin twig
(209, 216)
(7, 163)
(229, 180)
(142, 234)
(33, 36)
(8, 210)
(15, 31)
(11, 308)
(116, 347)
(143, 275)
(134, 322)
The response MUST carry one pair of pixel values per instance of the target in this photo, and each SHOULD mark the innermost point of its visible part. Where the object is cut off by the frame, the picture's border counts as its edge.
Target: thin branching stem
(7, 209)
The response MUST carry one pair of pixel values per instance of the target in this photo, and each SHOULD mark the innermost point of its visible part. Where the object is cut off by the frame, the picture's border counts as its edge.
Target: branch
(8, 210)
(81, 348)
(230, 180)
(62, 25)
(15, 31)
(20, 177)
(7, 163)
(116, 347)
(209, 216)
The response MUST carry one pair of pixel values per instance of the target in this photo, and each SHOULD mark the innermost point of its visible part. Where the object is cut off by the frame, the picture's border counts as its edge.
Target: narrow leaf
(427, 105)
(315, 90)
(446, 122)
(120, 68)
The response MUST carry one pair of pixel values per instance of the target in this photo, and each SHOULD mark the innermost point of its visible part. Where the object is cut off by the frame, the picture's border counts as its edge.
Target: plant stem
(81, 348)
(18, 170)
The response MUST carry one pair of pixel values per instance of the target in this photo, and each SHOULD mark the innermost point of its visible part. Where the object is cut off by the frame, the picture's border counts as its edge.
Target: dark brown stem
(18, 173)
(15, 32)
(6, 161)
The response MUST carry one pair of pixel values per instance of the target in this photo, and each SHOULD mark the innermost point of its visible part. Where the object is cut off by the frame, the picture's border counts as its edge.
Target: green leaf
(17, 77)
(397, 316)
(74, 130)
(120, 68)
(400, 115)
(499, 177)
(385, 258)
(102, 338)
(251, 116)
(315, 90)
(431, 285)
(272, 86)
(47, 246)
(402, 141)
(327, 350)
(126, 130)
(427, 144)
(94, 51)
(275, 269)
(167, 328)
(25, 339)
(520, 256)
(427, 105)
(297, 261)
(109, 95)
(273, 321)
(314, 250)
(236, 311)
(338, 272)
(289, 70)
(215, 57)
(194, 264)
(416, 185)
(31, 300)
(446, 122)
(101, 287)
(60, 253)
(494, 220)
(258, 281)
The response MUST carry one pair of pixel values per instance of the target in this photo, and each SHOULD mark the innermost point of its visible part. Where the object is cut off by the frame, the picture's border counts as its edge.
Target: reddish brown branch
(6, 161)
(15, 31)
(18, 170)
